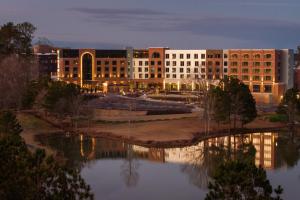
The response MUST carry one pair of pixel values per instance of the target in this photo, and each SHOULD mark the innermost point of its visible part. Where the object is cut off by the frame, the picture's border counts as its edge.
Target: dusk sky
(196, 24)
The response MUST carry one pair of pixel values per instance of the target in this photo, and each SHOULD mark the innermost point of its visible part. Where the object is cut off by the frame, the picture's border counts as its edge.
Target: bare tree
(17, 72)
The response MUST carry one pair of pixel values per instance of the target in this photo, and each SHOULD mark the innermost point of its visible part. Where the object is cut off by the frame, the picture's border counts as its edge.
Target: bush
(278, 118)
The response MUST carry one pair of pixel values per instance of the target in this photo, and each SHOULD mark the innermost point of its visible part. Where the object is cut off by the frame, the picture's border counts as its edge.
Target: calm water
(116, 170)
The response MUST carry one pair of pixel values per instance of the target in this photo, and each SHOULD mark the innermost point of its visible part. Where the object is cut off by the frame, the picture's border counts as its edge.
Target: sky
(182, 24)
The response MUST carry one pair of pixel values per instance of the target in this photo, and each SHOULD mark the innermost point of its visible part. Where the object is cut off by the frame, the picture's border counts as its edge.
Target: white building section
(183, 68)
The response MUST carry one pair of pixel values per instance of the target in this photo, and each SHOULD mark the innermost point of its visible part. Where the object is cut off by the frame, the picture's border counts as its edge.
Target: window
(67, 62)
(140, 63)
(246, 56)
(225, 56)
(114, 69)
(188, 56)
(152, 63)
(244, 64)
(67, 69)
(98, 69)
(106, 69)
(167, 69)
(174, 76)
(146, 63)
(195, 56)
(268, 64)
(197, 63)
(256, 88)
(140, 76)
(98, 62)
(174, 56)
(218, 56)
(181, 76)
(257, 56)
(268, 71)
(122, 69)
(257, 64)
(225, 63)
(174, 63)
(225, 70)
(268, 56)
(106, 75)
(158, 75)
(75, 75)
(202, 56)
(167, 56)
(203, 70)
(209, 63)
(114, 62)
(256, 78)
(188, 76)
(203, 63)
(268, 78)
(195, 70)
(174, 70)
(203, 76)
(159, 69)
(181, 56)
(152, 76)
(181, 70)
(245, 70)
(256, 71)
(188, 63)
(188, 70)
(158, 62)
(106, 62)
(168, 63)
(146, 69)
(268, 88)
(146, 75)
(234, 56)
(234, 63)
(210, 70)
(217, 69)
(233, 70)
(140, 69)
(245, 78)
(167, 75)
(155, 55)
(217, 63)
(75, 69)
(181, 63)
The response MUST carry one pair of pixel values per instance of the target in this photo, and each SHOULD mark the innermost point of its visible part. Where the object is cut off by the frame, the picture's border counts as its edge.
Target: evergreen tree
(32, 175)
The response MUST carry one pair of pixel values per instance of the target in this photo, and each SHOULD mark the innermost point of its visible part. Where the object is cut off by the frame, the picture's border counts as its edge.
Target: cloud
(248, 29)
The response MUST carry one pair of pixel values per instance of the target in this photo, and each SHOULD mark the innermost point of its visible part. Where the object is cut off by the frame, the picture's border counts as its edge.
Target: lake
(117, 170)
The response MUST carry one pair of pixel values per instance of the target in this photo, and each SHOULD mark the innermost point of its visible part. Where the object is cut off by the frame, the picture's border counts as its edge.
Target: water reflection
(197, 162)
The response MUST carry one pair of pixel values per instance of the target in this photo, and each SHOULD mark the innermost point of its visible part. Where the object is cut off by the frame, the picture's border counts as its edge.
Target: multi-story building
(183, 69)
(267, 72)
(214, 64)
(46, 59)
(94, 68)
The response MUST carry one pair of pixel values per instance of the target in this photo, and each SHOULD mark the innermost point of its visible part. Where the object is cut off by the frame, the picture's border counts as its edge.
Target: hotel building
(105, 70)
(267, 72)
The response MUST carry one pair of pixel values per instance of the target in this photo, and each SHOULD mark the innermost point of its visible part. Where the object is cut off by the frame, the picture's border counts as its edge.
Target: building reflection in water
(264, 143)
(197, 161)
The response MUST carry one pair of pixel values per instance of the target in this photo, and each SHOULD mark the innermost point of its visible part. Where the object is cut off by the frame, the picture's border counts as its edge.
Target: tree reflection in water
(129, 169)
(210, 153)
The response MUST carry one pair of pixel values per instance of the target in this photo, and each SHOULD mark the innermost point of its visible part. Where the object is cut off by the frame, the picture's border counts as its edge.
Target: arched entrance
(87, 67)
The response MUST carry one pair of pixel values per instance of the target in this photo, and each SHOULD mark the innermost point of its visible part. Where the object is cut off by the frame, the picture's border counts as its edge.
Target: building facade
(267, 72)
(46, 59)
(104, 70)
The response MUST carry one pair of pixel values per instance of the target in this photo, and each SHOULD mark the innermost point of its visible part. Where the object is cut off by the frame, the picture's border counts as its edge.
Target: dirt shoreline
(171, 133)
